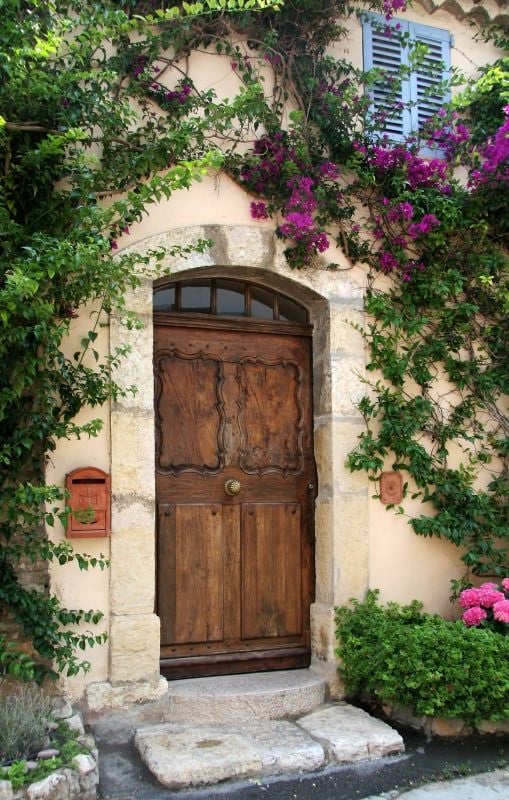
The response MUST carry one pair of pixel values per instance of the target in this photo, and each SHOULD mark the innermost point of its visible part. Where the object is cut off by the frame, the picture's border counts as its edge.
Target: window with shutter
(406, 100)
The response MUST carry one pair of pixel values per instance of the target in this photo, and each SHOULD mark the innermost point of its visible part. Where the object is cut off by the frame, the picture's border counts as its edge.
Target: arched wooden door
(235, 488)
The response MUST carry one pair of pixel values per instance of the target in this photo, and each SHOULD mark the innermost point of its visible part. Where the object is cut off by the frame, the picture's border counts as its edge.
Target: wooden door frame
(129, 666)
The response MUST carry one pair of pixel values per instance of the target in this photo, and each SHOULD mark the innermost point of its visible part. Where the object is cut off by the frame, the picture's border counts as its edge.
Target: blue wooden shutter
(388, 53)
(427, 91)
(422, 93)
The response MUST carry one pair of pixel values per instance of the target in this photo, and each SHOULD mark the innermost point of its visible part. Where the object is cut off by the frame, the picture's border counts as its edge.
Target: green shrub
(438, 668)
(24, 717)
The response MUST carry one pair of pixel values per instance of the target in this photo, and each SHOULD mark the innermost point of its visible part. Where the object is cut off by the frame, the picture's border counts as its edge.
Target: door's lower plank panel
(198, 573)
(235, 663)
(271, 570)
(230, 646)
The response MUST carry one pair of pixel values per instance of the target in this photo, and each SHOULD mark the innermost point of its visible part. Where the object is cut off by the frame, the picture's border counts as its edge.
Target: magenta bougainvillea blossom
(400, 211)
(448, 138)
(266, 174)
(427, 224)
(180, 95)
(298, 213)
(494, 166)
(451, 136)
(138, 65)
(487, 605)
(329, 169)
(401, 234)
(388, 262)
(392, 7)
(408, 221)
(421, 172)
(259, 210)
(397, 227)
(142, 71)
(297, 221)
(302, 197)
(301, 228)
(274, 59)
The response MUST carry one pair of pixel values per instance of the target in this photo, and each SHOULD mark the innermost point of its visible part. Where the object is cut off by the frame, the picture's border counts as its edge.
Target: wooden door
(234, 571)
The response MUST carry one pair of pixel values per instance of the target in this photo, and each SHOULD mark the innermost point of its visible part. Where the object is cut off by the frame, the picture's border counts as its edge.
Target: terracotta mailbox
(391, 487)
(90, 500)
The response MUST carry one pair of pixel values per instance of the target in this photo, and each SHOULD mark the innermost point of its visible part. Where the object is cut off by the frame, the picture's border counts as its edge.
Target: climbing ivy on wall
(100, 118)
(82, 121)
(439, 325)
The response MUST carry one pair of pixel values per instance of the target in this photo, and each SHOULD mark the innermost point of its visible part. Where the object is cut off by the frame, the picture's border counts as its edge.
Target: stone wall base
(443, 726)
(102, 696)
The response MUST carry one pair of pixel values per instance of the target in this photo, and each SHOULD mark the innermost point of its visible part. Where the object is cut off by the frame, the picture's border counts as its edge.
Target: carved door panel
(235, 571)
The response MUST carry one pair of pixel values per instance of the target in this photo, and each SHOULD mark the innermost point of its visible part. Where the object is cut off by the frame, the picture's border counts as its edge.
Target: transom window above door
(226, 297)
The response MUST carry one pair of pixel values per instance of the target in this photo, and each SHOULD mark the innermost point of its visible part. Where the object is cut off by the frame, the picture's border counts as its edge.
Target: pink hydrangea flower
(501, 611)
(488, 597)
(487, 602)
(474, 616)
(469, 598)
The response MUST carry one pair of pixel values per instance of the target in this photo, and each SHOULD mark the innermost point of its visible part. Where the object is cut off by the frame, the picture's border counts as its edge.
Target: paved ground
(124, 777)
(487, 786)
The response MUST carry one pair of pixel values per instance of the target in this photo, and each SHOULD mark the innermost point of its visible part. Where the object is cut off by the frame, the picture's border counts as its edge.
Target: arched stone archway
(334, 302)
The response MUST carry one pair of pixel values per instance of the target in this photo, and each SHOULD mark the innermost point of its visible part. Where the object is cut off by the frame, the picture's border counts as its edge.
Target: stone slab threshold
(190, 755)
(285, 694)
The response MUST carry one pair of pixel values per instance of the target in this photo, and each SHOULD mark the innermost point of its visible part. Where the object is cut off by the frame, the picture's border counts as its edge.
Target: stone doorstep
(181, 756)
(231, 699)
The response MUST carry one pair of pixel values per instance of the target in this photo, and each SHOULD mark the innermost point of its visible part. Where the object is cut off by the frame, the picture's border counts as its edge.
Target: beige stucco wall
(89, 589)
(358, 542)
